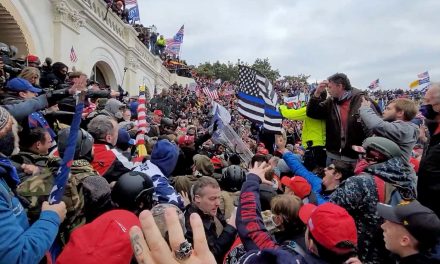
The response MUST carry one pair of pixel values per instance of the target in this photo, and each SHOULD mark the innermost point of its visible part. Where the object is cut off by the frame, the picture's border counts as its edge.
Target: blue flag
(62, 175)
(133, 14)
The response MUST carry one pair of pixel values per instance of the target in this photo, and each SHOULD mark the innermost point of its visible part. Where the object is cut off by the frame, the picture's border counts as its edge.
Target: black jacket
(218, 245)
(186, 154)
(339, 143)
(428, 185)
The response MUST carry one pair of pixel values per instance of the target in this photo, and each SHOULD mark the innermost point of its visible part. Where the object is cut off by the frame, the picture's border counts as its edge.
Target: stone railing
(137, 53)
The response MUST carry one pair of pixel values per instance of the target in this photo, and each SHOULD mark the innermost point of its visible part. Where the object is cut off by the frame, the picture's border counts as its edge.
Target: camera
(11, 66)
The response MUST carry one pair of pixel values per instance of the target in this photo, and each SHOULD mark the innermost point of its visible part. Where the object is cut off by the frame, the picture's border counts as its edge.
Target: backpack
(387, 193)
(34, 190)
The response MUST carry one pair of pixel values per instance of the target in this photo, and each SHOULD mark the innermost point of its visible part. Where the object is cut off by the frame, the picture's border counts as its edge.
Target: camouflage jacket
(358, 195)
(35, 190)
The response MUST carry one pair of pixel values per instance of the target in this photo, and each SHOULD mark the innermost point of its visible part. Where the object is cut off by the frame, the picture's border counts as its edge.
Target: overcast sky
(392, 40)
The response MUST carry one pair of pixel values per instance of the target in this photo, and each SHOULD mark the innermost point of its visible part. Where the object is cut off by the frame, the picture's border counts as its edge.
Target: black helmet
(233, 177)
(133, 191)
(84, 143)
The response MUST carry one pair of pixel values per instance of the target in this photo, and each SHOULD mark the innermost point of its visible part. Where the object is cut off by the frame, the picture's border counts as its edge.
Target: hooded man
(381, 169)
(56, 78)
(163, 160)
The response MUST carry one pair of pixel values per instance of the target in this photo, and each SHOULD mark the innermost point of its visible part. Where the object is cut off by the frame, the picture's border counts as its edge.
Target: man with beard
(395, 124)
(428, 183)
(21, 242)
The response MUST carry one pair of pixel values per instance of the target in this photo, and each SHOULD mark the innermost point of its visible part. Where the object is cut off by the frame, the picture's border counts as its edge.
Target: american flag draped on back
(258, 100)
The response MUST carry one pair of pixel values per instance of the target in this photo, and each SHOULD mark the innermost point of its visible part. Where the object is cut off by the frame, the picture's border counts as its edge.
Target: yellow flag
(414, 84)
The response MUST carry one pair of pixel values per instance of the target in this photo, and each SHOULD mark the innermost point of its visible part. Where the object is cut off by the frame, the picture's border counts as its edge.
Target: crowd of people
(153, 40)
(347, 181)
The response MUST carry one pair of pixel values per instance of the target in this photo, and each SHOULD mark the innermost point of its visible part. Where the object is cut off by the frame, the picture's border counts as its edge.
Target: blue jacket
(298, 169)
(21, 243)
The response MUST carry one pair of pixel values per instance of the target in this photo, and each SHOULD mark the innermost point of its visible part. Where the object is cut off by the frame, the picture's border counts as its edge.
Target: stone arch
(14, 30)
(103, 73)
(108, 66)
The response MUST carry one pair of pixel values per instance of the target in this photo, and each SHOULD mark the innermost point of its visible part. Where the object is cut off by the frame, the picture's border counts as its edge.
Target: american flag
(258, 100)
(73, 57)
(374, 84)
(179, 35)
(211, 91)
(423, 75)
(173, 45)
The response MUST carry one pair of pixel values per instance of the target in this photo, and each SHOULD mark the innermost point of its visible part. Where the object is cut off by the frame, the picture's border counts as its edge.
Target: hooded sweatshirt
(358, 195)
(163, 160)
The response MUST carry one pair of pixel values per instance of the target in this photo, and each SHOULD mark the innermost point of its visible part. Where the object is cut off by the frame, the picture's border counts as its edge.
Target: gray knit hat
(5, 121)
(383, 145)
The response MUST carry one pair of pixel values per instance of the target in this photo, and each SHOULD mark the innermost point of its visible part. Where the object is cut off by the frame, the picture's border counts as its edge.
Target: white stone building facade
(50, 28)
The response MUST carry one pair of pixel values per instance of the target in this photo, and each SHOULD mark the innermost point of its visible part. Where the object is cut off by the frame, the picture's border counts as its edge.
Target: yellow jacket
(161, 42)
(313, 129)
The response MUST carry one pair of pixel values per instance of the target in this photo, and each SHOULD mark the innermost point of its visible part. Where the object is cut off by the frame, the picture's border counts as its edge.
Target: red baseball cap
(298, 185)
(32, 59)
(263, 152)
(330, 225)
(105, 240)
(158, 112)
(185, 140)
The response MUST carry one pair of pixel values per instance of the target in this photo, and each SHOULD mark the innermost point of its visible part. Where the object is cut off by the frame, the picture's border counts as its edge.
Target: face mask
(428, 111)
(360, 166)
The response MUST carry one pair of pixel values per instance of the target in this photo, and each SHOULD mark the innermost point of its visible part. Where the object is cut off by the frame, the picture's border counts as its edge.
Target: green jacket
(313, 129)
(161, 42)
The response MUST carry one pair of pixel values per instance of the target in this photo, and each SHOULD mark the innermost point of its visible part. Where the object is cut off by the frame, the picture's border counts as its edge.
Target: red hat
(298, 185)
(105, 240)
(329, 224)
(261, 144)
(158, 112)
(263, 152)
(185, 140)
(32, 59)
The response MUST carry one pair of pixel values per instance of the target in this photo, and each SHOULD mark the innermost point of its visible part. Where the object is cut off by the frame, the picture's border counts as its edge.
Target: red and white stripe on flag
(73, 57)
(212, 93)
